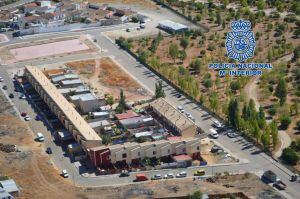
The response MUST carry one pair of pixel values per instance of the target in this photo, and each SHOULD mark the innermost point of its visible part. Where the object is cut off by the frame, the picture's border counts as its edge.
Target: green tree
(196, 195)
(235, 86)
(233, 112)
(184, 42)
(261, 4)
(274, 133)
(110, 100)
(223, 24)
(290, 156)
(122, 103)
(173, 51)
(159, 91)
(285, 121)
(196, 65)
(214, 101)
(219, 19)
(265, 139)
(296, 53)
(256, 131)
(281, 91)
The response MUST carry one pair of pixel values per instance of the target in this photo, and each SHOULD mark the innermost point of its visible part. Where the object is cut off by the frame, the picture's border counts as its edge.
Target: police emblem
(240, 43)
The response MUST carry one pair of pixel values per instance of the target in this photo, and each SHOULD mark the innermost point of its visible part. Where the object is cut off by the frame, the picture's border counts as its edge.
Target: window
(139, 154)
(154, 152)
(198, 148)
(108, 157)
(124, 155)
(183, 150)
(168, 151)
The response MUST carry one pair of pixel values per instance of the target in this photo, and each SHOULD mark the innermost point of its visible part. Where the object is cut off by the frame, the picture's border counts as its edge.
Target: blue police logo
(240, 43)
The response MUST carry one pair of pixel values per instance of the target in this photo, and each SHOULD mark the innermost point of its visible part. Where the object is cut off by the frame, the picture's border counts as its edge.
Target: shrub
(272, 111)
(290, 156)
(285, 121)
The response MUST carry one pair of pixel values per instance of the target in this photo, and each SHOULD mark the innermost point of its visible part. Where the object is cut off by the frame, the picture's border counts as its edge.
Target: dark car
(179, 96)
(4, 87)
(216, 149)
(11, 95)
(49, 150)
(38, 117)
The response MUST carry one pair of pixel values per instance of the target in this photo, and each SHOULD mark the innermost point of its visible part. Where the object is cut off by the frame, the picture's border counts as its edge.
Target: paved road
(258, 162)
(18, 3)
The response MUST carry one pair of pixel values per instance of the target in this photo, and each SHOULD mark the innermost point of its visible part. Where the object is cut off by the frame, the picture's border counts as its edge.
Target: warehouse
(172, 27)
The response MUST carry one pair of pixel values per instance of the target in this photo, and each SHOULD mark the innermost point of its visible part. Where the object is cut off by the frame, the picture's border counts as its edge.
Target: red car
(23, 114)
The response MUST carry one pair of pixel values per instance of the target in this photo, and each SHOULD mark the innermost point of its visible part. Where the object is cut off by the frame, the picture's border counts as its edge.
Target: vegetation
(159, 91)
(196, 195)
(122, 103)
(290, 156)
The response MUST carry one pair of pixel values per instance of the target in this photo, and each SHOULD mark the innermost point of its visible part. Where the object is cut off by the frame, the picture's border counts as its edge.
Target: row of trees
(252, 123)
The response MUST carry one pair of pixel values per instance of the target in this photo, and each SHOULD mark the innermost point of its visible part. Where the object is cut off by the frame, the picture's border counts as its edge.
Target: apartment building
(135, 152)
(66, 113)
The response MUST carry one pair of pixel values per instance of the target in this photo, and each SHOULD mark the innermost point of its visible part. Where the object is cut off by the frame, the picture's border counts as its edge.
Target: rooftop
(172, 114)
(9, 185)
(63, 77)
(70, 82)
(75, 118)
(180, 158)
(100, 123)
(173, 25)
(126, 115)
(82, 96)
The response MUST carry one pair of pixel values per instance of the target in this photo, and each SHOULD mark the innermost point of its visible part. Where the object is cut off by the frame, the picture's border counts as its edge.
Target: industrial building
(66, 113)
(173, 118)
(172, 27)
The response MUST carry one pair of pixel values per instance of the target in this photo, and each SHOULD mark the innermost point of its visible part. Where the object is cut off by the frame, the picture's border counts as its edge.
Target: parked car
(40, 137)
(169, 176)
(216, 149)
(1, 79)
(49, 150)
(142, 25)
(269, 176)
(38, 117)
(4, 87)
(213, 133)
(124, 173)
(280, 185)
(128, 30)
(22, 96)
(180, 108)
(23, 114)
(27, 118)
(217, 124)
(232, 135)
(179, 96)
(156, 177)
(11, 95)
(199, 172)
(64, 173)
(141, 177)
(181, 174)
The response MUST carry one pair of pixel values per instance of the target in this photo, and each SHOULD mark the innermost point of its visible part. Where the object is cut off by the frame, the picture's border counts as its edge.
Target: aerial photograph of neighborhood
(149, 99)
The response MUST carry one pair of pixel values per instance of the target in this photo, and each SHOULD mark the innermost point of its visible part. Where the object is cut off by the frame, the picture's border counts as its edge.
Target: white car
(213, 133)
(188, 114)
(217, 124)
(1, 79)
(64, 173)
(180, 108)
(181, 174)
(27, 118)
(169, 176)
(40, 137)
(22, 96)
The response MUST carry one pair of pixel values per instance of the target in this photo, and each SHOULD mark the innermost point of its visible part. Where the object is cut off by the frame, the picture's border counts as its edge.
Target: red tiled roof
(174, 138)
(126, 115)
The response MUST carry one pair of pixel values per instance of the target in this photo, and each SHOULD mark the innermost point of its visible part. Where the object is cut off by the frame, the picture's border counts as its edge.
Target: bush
(208, 83)
(235, 85)
(290, 156)
(272, 111)
(285, 121)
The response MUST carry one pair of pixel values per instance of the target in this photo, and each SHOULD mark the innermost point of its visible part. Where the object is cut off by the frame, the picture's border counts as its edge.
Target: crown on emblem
(241, 25)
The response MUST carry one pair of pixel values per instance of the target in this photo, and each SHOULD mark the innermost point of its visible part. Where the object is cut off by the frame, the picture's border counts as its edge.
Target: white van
(213, 133)
(40, 137)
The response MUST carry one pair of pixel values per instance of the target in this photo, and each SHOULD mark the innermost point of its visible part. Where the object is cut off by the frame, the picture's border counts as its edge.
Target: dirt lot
(106, 76)
(23, 51)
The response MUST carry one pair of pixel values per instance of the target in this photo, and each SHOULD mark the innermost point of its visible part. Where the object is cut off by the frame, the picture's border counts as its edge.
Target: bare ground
(106, 76)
